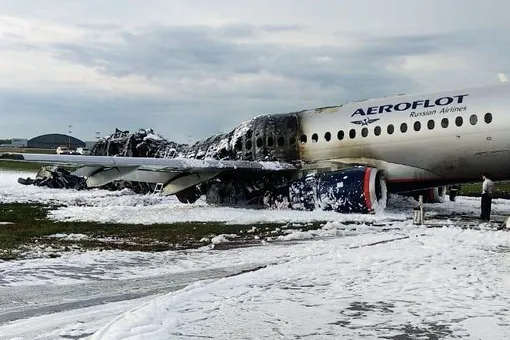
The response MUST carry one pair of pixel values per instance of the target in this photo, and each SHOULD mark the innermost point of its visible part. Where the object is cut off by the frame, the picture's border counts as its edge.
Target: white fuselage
(459, 152)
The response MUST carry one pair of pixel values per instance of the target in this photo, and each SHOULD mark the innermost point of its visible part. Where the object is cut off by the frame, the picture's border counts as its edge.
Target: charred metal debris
(144, 143)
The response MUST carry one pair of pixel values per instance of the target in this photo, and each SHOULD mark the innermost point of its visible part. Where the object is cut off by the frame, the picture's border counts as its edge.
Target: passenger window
(488, 118)
(459, 121)
(281, 141)
(239, 144)
(292, 140)
(248, 144)
(364, 132)
(270, 142)
(444, 123)
(473, 119)
(303, 139)
(315, 138)
(390, 129)
(417, 126)
(327, 136)
(403, 127)
(431, 124)
(259, 142)
(377, 130)
(340, 135)
(352, 134)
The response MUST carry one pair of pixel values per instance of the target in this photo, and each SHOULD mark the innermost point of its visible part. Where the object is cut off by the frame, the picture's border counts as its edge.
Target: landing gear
(227, 193)
(454, 191)
(189, 195)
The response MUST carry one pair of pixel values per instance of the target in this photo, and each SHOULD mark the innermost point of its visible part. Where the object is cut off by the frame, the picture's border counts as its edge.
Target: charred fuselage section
(143, 143)
(264, 138)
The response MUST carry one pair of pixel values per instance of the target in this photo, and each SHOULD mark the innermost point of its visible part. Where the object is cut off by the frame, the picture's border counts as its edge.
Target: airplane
(344, 158)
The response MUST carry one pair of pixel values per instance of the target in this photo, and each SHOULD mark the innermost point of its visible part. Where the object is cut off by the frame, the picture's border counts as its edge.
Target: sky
(189, 69)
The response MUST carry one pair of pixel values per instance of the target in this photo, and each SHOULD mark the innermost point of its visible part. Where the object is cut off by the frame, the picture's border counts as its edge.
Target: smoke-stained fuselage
(417, 140)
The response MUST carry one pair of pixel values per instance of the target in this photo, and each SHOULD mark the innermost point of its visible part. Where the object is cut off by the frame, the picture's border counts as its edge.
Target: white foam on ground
(125, 207)
(346, 283)
(73, 268)
(442, 282)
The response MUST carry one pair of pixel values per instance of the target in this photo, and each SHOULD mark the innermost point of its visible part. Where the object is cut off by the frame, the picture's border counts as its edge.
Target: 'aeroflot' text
(426, 103)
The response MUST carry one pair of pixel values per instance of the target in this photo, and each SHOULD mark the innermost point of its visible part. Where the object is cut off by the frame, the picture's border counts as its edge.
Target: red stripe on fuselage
(366, 189)
(414, 180)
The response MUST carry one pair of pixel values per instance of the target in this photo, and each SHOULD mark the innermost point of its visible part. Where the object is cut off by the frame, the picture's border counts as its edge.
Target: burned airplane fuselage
(264, 138)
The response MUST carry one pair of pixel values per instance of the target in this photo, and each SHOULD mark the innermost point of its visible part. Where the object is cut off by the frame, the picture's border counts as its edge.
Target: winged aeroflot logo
(365, 121)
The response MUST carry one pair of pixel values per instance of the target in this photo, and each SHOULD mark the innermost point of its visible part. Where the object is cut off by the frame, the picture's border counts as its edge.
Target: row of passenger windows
(390, 129)
(280, 141)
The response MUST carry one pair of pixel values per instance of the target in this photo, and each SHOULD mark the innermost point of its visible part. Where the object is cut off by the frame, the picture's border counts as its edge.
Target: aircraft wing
(155, 164)
(176, 174)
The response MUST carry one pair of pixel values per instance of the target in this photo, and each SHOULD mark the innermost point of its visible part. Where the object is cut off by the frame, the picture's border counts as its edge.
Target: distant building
(14, 142)
(19, 142)
(53, 141)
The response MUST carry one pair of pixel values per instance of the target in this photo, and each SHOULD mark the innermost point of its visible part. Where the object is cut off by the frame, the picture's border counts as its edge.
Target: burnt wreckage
(143, 143)
(274, 137)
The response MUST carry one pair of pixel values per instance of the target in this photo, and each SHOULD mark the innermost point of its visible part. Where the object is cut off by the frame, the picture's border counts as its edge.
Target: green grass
(31, 227)
(475, 189)
(20, 165)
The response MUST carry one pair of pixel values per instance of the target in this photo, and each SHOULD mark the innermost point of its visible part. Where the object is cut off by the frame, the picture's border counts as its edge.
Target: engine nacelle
(352, 190)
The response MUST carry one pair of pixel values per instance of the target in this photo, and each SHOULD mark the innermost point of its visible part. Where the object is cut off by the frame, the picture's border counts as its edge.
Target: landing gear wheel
(188, 196)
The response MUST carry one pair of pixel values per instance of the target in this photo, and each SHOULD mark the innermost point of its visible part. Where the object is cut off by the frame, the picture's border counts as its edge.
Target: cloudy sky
(197, 67)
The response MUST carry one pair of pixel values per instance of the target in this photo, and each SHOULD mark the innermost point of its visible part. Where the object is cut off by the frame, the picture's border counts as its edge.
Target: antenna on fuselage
(502, 77)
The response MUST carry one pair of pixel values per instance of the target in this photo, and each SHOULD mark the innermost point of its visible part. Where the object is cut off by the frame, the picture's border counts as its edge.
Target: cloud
(197, 69)
(168, 55)
(221, 65)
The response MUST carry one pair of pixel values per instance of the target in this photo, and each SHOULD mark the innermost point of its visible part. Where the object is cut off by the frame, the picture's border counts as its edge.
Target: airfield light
(70, 126)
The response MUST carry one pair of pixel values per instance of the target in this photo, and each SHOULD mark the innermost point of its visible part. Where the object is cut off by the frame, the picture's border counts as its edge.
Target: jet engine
(352, 190)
